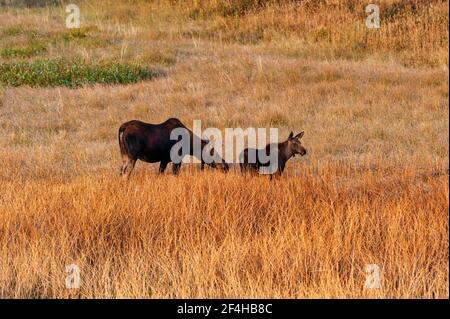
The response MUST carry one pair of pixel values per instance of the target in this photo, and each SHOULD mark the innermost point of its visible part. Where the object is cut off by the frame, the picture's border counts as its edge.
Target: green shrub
(12, 32)
(25, 52)
(73, 34)
(71, 73)
(30, 3)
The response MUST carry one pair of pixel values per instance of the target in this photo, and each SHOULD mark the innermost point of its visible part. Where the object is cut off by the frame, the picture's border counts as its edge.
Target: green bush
(30, 3)
(12, 32)
(71, 73)
(28, 51)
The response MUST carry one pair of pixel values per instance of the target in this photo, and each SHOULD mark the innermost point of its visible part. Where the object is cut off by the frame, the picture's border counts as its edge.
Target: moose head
(294, 146)
(215, 160)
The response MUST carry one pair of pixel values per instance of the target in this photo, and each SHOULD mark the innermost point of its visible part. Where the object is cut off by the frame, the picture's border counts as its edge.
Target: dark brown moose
(282, 153)
(151, 143)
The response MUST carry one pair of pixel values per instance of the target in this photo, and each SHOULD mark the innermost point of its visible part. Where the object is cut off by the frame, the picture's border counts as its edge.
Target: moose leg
(278, 173)
(248, 170)
(162, 167)
(275, 175)
(280, 170)
(243, 169)
(176, 168)
(128, 167)
(125, 161)
(122, 167)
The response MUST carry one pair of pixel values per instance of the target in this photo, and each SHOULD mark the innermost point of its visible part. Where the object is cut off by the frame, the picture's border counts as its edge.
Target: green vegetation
(12, 32)
(26, 52)
(30, 3)
(72, 74)
(80, 33)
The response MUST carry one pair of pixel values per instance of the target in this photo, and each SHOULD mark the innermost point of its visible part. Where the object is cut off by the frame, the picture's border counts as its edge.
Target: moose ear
(291, 135)
(300, 135)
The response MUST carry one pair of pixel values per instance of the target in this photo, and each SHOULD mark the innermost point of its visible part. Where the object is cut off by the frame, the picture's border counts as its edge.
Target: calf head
(294, 145)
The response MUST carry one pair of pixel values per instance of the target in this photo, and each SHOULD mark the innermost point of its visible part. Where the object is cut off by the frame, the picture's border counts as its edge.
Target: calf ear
(291, 135)
(300, 135)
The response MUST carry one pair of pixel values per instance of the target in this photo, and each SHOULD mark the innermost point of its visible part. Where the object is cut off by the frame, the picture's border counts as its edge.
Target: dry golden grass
(215, 235)
(413, 32)
(373, 188)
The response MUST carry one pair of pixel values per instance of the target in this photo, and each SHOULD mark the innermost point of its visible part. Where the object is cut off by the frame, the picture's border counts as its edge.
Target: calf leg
(176, 168)
(162, 166)
(277, 174)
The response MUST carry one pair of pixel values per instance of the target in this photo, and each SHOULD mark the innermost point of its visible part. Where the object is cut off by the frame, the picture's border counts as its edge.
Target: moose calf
(281, 152)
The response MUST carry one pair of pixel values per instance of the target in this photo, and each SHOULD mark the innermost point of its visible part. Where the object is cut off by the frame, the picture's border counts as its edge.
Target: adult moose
(152, 143)
(272, 159)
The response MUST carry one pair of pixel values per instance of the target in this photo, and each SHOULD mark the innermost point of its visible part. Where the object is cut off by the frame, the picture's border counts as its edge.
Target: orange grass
(215, 235)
